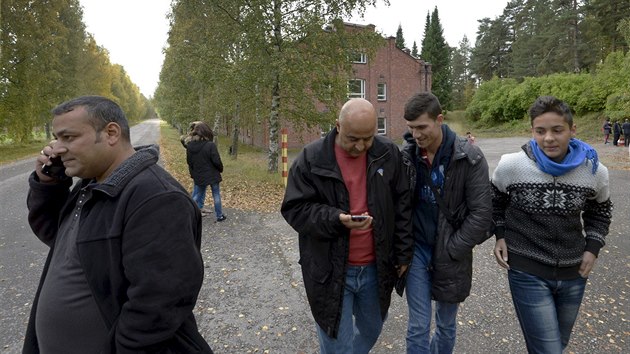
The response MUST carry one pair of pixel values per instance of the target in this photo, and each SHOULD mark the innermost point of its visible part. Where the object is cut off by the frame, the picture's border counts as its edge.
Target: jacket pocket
(318, 273)
(451, 281)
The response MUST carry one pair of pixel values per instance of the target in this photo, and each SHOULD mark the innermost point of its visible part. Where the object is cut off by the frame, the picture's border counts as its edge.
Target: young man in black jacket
(348, 198)
(441, 268)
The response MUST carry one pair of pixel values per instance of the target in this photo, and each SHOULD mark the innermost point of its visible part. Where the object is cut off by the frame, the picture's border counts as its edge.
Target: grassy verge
(246, 184)
(13, 152)
(588, 127)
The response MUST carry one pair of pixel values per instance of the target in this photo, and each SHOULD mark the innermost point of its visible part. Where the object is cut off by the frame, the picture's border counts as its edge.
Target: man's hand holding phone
(49, 168)
(362, 221)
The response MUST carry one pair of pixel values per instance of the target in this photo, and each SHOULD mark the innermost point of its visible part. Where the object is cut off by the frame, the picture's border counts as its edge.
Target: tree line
(240, 63)
(47, 57)
(570, 48)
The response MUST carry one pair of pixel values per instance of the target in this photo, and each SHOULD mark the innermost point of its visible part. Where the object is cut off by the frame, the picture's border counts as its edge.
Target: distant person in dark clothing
(123, 273)
(616, 132)
(606, 129)
(626, 132)
(205, 167)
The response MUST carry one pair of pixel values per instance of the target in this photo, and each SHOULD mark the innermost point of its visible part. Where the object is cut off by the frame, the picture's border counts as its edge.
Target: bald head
(356, 126)
(358, 109)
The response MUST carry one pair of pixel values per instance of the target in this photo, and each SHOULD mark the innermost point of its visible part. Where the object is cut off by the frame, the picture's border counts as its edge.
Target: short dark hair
(203, 131)
(421, 103)
(100, 111)
(544, 104)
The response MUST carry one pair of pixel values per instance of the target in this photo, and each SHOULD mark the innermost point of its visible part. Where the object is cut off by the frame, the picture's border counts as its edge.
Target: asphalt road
(253, 300)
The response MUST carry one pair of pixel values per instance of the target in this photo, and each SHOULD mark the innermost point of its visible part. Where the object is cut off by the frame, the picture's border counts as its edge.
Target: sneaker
(222, 218)
(207, 211)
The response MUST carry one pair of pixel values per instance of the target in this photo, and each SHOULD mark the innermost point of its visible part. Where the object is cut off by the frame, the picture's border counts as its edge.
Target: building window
(381, 92)
(359, 58)
(356, 88)
(382, 126)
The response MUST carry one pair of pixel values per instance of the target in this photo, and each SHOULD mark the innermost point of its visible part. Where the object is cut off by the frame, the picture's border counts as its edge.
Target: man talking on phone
(348, 198)
(122, 274)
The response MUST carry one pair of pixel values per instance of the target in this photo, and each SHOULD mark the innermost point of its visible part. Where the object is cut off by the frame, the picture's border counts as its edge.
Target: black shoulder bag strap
(441, 204)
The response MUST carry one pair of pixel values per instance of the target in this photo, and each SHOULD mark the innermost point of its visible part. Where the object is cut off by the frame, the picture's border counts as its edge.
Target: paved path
(253, 300)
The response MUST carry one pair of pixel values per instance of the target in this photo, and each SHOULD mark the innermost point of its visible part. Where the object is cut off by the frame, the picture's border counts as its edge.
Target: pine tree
(400, 40)
(414, 50)
(436, 51)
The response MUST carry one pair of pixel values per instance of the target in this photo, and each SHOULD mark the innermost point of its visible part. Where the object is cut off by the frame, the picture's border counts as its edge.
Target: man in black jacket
(348, 198)
(626, 132)
(124, 268)
(441, 162)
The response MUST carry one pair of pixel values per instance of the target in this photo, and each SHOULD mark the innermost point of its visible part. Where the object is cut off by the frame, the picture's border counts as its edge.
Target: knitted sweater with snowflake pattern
(549, 222)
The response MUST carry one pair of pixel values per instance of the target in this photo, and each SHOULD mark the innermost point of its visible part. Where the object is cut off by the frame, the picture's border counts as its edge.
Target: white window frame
(381, 131)
(362, 58)
(360, 94)
(381, 96)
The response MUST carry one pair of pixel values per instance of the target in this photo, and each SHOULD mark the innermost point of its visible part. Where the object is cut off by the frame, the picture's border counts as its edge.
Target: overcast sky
(135, 31)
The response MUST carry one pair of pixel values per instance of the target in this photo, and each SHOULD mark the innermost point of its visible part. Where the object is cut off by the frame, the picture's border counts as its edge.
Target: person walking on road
(606, 129)
(552, 210)
(205, 168)
(348, 198)
(122, 274)
(626, 132)
(616, 132)
(452, 213)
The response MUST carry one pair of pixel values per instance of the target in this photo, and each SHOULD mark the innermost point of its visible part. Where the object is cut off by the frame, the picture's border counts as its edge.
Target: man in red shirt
(348, 198)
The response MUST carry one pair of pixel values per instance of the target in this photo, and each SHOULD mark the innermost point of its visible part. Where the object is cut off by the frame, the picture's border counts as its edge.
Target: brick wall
(403, 76)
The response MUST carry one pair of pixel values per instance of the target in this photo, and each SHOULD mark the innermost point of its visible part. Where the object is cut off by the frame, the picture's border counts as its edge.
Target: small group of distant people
(618, 130)
(123, 274)
(370, 217)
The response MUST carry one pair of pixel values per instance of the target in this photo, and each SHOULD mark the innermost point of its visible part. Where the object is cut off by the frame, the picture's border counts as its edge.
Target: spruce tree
(400, 40)
(436, 51)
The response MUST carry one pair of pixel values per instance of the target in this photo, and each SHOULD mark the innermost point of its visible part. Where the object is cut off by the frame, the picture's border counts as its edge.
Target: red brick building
(387, 80)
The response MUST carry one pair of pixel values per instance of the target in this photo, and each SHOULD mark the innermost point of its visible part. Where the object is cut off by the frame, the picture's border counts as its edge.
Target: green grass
(10, 152)
(251, 162)
(588, 127)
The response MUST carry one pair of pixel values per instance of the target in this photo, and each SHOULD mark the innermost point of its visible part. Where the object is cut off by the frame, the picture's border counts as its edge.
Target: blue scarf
(579, 152)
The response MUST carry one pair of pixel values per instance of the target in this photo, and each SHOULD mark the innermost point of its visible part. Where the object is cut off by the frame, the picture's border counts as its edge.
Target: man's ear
(113, 132)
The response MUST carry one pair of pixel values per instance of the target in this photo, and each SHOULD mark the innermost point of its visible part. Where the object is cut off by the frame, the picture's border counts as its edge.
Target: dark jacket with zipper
(145, 292)
(314, 198)
(466, 192)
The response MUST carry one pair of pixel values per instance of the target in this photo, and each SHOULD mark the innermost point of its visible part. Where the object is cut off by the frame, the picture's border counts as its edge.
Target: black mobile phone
(56, 169)
(358, 217)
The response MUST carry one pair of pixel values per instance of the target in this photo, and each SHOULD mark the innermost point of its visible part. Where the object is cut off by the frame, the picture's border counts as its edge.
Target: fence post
(285, 156)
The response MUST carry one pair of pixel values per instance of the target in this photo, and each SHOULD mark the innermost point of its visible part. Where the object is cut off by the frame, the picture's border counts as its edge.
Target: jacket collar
(144, 157)
(328, 150)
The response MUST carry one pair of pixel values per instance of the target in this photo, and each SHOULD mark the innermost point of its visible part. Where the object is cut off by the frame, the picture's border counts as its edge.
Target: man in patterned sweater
(552, 210)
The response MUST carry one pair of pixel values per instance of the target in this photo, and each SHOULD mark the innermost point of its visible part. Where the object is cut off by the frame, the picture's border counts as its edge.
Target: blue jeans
(546, 309)
(361, 321)
(420, 311)
(199, 196)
